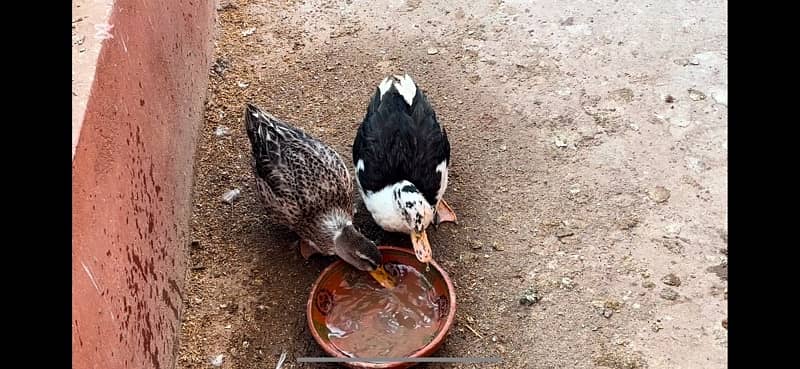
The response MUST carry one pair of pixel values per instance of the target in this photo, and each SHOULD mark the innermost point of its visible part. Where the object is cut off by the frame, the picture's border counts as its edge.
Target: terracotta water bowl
(323, 298)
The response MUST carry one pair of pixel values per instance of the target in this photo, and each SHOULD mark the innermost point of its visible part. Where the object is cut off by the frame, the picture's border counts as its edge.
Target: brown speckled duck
(305, 185)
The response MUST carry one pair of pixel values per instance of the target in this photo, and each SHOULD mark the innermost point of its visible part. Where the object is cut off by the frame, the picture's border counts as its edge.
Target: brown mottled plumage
(305, 185)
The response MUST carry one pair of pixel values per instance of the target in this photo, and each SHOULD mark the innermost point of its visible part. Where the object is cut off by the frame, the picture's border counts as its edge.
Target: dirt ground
(589, 144)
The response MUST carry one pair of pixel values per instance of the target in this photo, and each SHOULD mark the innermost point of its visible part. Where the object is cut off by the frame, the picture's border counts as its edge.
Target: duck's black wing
(400, 141)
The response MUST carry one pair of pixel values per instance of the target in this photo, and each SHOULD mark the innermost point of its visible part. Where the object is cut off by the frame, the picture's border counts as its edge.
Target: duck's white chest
(384, 212)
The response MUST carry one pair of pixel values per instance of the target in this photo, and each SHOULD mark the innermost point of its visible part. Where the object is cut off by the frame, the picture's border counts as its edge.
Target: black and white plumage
(401, 156)
(305, 185)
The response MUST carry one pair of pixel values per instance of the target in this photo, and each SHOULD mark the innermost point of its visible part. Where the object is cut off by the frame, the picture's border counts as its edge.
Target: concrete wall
(132, 175)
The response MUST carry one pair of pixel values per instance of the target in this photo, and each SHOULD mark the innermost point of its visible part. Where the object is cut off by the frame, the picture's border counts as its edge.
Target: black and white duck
(305, 185)
(401, 156)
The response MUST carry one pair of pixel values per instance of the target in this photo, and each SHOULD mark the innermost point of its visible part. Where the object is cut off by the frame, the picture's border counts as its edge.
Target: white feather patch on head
(385, 85)
(404, 84)
(406, 87)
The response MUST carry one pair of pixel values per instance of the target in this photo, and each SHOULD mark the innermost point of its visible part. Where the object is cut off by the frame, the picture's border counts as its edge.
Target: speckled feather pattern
(300, 179)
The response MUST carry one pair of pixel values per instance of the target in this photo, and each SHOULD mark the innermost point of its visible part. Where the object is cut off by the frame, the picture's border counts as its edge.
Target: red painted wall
(132, 175)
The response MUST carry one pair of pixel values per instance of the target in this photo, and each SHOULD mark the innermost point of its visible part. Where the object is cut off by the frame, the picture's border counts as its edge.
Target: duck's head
(417, 214)
(356, 249)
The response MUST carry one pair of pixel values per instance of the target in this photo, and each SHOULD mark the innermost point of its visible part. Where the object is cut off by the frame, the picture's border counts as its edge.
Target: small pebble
(564, 232)
(433, 51)
(217, 360)
(668, 294)
(671, 280)
(231, 196)
(529, 297)
(612, 304)
(696, 95)
(660, 194)
(222, 131)
(656, 327)
(673, 229)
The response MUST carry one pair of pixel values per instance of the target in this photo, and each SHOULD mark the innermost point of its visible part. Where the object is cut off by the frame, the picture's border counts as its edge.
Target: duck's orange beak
(422, 248)
(383, 277)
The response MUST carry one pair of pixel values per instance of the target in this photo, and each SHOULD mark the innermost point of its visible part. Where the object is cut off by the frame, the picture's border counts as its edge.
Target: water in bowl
(370, 321)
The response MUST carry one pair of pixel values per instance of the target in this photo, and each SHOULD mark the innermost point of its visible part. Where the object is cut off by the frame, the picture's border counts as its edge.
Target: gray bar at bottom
(399, 359)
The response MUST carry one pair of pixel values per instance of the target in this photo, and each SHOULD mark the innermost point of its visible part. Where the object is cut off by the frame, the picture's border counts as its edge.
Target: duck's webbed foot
(307, 248)
(444, 213)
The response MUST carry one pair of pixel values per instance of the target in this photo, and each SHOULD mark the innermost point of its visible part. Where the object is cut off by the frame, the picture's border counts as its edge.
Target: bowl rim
(423, 352)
